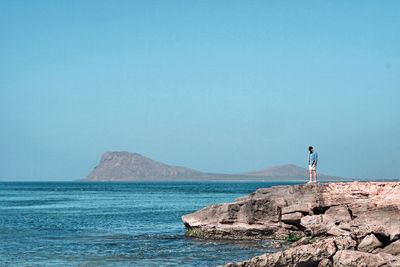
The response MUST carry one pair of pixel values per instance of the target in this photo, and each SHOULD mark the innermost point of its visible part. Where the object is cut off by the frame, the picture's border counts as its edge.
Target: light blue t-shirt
(313, 158)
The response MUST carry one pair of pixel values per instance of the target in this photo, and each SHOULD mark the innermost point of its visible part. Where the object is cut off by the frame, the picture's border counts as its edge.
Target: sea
(115, 224)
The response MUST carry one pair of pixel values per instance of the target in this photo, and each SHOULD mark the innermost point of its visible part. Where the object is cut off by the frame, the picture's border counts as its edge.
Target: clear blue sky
(219, 86)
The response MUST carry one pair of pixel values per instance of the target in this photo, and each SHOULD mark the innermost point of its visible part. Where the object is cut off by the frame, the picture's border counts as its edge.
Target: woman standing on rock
(312, 164)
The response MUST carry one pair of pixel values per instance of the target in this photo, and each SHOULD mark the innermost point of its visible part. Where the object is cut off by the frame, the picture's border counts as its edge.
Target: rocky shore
(333, 224)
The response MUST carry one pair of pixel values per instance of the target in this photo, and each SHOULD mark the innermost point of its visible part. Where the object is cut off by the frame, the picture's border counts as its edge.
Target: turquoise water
(114, 224)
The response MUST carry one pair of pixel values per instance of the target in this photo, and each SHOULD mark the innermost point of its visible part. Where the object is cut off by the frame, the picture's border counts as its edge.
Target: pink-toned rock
(325, 263)
(342, 206)
(302, 208)
(292, 218)
(369, 243)
(351, 258)
(336, 231)
(334, 220)
(303, 255)
(314, 224)
(393, 248)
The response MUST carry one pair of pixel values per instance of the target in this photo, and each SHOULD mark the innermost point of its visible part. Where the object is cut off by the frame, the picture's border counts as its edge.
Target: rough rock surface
(351, 258)
(369, 243)
(303, 255)
(393, 248)
(357, 223)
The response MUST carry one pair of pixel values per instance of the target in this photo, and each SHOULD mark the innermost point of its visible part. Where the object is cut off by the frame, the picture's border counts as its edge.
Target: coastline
(329, 222)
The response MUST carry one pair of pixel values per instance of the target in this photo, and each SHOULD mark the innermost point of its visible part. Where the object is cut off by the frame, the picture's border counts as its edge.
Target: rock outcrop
(336, 224)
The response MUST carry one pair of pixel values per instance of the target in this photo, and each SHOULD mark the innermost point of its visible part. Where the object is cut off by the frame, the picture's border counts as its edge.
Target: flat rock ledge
(333, 224)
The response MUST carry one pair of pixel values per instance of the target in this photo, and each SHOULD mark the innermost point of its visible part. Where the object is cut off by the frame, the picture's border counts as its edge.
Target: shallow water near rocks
(115, 224)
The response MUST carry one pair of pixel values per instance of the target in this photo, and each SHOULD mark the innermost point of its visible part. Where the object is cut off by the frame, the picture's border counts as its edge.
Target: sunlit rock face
(342, 218)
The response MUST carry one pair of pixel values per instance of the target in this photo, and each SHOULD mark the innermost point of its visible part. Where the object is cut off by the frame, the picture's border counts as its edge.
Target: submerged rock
(331, 218)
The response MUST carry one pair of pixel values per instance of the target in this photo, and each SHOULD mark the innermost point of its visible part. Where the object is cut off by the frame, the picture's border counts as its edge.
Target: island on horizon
(127, 166)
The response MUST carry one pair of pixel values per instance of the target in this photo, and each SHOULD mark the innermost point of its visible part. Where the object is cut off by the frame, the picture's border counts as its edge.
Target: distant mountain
(125, 166)
(122, 166)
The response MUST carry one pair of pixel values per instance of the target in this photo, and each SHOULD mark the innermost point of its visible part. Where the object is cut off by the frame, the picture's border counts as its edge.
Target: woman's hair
(310, 148)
